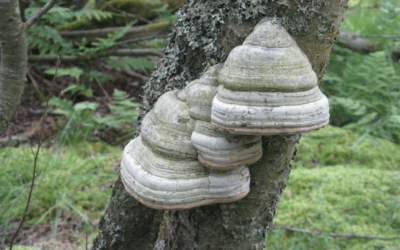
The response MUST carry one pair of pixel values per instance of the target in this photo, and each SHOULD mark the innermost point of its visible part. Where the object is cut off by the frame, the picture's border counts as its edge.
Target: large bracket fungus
(195, 143)
(268, 87)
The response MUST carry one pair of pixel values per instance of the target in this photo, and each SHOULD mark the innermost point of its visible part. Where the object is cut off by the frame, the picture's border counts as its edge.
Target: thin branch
(138, 76)
(138, 33)
(338, 235)
(383, 246)
(106, 53)
(34, 166)
(40, 13)
(324, 136)
(366, 204)
(379, 36)
(312, 225)
(129, 14)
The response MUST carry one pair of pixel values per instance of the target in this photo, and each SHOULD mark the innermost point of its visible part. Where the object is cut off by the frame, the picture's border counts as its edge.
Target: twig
(101, 87)
(365, 134)
(142, 38)
(129, 14)
(339, 235)
(379, 36)
(324, 136)
(138, 76)
(383, 246)
(139, 33)
(86, 238)
(365, 205)
(312, 225)
(105, 53)
(40, 13)
(34, 83)
(34, 166)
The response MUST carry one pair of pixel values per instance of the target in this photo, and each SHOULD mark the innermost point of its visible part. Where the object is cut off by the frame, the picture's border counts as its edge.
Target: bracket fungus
(160, 168)
(268, 87)
(217, 150)
(195, 144)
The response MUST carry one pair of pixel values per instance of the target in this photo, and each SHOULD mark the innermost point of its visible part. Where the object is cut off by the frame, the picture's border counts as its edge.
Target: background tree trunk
(13, 59)
(205, 33)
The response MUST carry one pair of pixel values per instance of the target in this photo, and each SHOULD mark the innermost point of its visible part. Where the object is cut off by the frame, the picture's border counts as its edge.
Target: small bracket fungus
(268, 87)
(217, 149)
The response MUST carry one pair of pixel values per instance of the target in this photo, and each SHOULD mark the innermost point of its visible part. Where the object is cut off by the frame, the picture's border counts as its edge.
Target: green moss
(23, 248)
(321, 194)
(329, 178)
(332, 146)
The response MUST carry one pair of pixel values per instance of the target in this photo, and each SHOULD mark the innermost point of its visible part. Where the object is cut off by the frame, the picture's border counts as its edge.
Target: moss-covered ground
(331, 175)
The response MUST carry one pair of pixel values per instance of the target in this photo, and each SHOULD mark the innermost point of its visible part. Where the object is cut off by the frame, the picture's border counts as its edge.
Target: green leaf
(85, 105)
(73, 72)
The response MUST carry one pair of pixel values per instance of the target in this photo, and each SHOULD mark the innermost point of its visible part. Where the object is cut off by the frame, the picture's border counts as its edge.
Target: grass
(330, 177)
(72, 182)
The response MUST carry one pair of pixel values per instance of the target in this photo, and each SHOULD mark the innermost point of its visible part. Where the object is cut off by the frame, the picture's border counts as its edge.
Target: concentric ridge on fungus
(268, 87)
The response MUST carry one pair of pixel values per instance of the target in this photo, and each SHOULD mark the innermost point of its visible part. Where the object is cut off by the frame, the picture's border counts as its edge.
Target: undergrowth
(71, 182)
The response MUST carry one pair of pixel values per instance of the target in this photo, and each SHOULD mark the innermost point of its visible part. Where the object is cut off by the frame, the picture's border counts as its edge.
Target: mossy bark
(205, 33)
(13, 59)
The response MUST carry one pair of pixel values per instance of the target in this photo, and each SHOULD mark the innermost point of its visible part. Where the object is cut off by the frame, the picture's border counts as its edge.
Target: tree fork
(204, 34)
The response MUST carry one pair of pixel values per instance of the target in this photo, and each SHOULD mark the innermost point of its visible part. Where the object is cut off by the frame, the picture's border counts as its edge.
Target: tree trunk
(205, 33)
(13, 59)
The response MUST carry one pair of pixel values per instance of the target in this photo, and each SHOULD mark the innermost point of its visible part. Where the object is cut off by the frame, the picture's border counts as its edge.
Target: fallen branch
(106, 53)
(338, 235)
(389, 247)
(355, 43)
(366, 204)
(136, 32)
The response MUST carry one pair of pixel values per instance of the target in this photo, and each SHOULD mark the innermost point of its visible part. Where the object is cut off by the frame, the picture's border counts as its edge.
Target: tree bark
(204, 34)
(13, 56)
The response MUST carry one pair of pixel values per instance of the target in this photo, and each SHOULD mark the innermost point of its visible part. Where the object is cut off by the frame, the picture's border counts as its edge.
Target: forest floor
(342, 182)
(25, 129)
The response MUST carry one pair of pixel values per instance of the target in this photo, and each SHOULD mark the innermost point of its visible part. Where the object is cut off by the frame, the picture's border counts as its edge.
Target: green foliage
(123, 110)
(73, 181)
(321, 191)
(363, 90)
(365, 95)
